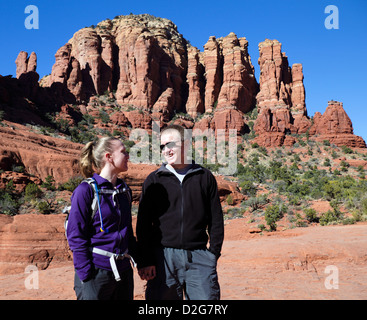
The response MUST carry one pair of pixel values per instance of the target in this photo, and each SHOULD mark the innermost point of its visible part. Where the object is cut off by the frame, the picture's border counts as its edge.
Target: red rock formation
(194, 105)
(32, 239)
(86, 48)
(25, 64)
(164, 106)
(275, 76)
(39, 155)
(239, 84)
(280, 85)
(60, 68)
(281, 99)
(146, 64)
(229, 119)
(213, 71)
(335, 125)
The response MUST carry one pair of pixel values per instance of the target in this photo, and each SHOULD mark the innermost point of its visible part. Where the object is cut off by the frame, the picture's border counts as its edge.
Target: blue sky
(334, 60)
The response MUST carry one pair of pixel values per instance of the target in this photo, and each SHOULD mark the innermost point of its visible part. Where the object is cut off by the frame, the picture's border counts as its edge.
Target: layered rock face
(39, 155)
(151, 67)
(229, 77)
(154, 73)
(239, 86)
(335, 125)
(139, 57)
(281, 99)
(25, 64)
(282, 109)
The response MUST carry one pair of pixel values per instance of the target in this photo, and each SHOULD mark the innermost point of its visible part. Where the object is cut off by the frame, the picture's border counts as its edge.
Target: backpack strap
(96, 196)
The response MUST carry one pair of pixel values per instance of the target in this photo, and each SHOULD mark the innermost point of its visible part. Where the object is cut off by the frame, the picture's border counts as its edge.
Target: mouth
(170, 155)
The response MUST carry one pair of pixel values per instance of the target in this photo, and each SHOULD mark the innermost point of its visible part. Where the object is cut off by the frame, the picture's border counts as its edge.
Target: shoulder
(152, 176)
(204, 171)
(83, 191)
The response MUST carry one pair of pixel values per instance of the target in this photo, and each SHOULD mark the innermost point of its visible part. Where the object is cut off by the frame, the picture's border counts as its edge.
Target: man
(179, 212)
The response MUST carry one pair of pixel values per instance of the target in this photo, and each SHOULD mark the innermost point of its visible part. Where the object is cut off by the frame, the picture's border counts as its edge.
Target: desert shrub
(277, 171)
(334, 155)
(327, 162)
(44, 207)
(346, 150)
(9, 200)
(256, 202)
(332, 190)
(247, 188)
(273, 213)
(229, 200)
(331, 216)
(311, 215)
(105, 118)
(49, 183)
(32, 192)
(71, 184)
(233, 213)
(299, 189)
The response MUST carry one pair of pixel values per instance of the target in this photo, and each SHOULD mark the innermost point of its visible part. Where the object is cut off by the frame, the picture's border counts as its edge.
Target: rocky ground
(304, 263)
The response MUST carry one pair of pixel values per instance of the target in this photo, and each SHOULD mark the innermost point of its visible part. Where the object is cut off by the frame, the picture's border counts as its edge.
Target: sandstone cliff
(149, 66)
(282, 108)
(152, 73)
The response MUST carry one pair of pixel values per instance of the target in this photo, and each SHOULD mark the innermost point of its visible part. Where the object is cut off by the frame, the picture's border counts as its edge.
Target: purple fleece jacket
(84, 234)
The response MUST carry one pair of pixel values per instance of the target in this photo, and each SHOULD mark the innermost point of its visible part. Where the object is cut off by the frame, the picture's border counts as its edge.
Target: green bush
(44, 207)
(346, 149)
(273, 213)
(311, 215)
(248, 188)
(9, 204)
(331, 216)
(229, 200)
(49, 183)
(32, 192)
(256, 202)
(71, 184)
(327, 162)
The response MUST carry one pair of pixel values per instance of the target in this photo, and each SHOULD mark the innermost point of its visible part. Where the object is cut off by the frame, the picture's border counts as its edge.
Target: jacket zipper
(182, 211)
(119, 225)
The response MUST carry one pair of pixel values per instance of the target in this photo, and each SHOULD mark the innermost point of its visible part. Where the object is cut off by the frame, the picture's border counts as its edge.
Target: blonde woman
(101, 239)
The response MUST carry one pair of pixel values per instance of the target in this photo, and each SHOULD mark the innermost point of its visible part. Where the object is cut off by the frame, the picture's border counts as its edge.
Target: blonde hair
(91, 157)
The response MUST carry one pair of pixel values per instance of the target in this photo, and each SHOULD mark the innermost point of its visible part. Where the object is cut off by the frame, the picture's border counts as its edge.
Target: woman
(102, 239)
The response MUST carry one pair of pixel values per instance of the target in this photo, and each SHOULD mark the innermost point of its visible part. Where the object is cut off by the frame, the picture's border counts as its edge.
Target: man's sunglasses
(170, 145)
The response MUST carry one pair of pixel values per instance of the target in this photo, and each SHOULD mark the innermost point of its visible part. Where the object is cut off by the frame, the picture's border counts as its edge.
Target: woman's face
(119, 156)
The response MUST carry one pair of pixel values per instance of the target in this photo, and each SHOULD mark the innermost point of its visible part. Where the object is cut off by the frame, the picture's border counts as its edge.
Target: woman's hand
(147, 273)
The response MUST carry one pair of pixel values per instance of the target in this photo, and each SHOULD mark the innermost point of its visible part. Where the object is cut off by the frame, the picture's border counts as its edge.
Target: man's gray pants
(179, 273)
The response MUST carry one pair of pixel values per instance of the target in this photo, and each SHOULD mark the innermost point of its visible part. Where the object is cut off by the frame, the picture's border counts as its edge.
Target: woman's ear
(108, 157)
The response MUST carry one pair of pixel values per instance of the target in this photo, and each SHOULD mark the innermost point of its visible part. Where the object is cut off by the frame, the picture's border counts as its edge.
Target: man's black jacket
(175, 215)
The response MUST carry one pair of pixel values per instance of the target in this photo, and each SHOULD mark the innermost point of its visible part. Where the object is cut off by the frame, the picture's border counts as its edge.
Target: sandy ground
(305, 263)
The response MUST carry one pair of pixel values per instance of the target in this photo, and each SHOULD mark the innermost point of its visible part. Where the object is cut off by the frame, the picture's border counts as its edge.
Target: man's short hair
(177, 127)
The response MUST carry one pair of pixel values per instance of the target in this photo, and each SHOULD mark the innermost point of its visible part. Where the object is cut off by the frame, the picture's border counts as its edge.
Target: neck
(109, 175)
(179, 166)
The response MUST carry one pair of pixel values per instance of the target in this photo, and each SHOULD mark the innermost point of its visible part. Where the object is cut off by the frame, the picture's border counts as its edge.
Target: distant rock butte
(282, 109)
(145, 63)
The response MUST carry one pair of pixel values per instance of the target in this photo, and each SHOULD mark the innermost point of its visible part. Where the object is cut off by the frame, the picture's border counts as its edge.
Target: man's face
(173, 150)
